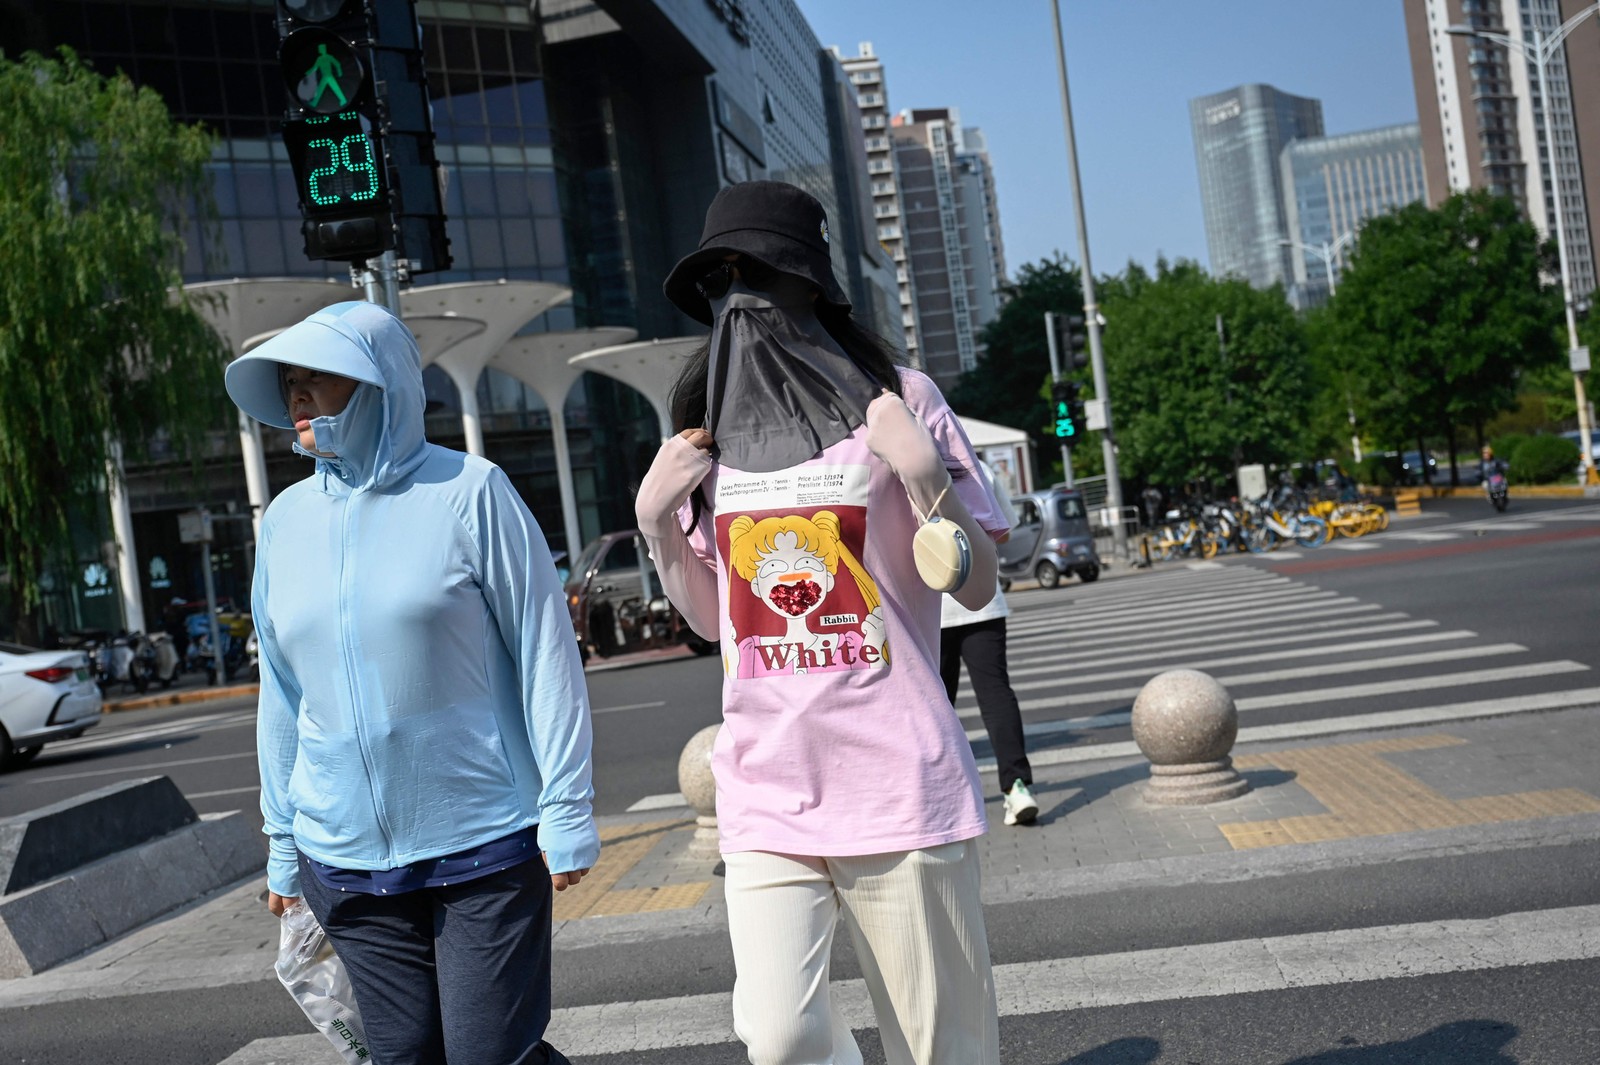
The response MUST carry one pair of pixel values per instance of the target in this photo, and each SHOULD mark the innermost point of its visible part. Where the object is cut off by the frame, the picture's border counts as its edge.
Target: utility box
(1094, 413)
(1252, 481)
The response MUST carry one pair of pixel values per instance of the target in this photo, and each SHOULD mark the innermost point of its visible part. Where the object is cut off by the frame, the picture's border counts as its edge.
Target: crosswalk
(1297, 658)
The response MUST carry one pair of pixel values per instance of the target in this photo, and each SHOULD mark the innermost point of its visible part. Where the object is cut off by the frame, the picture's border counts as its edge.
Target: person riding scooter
(1492, 472)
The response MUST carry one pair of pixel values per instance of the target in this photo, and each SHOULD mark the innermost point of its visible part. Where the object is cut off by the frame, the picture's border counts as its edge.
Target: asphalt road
(1516, 586)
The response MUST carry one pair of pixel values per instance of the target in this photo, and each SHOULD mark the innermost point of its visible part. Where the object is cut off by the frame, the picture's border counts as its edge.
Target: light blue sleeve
(525, 595)
(277, 740)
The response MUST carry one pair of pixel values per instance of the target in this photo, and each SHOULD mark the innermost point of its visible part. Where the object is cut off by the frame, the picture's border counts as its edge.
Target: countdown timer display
(336, 162)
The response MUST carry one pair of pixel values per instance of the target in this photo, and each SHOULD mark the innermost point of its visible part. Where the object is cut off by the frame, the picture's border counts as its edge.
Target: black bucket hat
(772, 222)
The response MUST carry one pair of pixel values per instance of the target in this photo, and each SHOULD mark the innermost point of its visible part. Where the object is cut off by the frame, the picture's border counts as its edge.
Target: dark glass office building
(582, 141)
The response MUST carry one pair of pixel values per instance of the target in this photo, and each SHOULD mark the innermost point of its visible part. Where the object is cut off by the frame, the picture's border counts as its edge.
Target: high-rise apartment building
(1238, 138)
(1333, 184)
(951, 234)
(1482, 116)
(872, 99)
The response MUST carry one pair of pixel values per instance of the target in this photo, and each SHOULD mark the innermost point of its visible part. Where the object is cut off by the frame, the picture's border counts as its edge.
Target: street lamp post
(1326, 252)
(1091, 309)
(1538, 52)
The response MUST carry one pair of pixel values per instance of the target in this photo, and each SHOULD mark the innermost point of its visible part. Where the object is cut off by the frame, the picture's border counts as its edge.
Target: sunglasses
(753, 272)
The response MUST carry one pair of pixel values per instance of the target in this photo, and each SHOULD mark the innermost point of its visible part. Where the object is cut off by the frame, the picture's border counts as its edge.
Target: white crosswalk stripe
(1078, 657)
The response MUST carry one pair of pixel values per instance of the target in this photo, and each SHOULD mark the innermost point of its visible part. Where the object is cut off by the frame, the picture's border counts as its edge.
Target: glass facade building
(1238, 138)
(1333, 184)
(581, 142)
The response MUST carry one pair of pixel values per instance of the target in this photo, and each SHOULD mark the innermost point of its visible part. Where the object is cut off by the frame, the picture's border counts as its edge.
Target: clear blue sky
(1134, 65)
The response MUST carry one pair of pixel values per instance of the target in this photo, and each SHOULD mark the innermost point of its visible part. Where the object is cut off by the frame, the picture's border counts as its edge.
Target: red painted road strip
(1487, 542)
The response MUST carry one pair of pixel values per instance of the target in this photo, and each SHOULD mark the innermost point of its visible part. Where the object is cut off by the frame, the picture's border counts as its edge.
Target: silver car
(1052, 538)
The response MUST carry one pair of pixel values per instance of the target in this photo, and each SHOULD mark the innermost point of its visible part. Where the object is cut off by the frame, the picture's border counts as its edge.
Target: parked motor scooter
(157, 658)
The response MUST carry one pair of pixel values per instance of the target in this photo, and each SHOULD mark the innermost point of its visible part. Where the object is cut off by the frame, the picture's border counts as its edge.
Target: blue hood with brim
(379, 435)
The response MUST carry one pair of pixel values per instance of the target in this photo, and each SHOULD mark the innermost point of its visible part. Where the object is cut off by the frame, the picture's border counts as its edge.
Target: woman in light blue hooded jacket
(423, 731)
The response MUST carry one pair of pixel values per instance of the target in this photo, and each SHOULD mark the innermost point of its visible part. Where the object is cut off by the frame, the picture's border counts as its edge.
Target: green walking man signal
(1068, 410)
(327, 70)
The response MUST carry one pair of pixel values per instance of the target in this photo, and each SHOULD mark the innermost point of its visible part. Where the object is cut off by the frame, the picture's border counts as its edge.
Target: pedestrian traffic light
(1068, 410)
(359, 132)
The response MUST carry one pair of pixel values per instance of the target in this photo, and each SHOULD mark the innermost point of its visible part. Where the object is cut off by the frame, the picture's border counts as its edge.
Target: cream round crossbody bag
(940, 549)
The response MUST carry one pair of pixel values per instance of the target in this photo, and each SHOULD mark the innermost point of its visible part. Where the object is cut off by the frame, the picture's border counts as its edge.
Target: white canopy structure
(503, 306)
(647, 366)
(543, 362)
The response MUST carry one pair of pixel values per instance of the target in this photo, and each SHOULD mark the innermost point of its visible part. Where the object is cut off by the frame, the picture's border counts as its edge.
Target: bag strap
(933, 510)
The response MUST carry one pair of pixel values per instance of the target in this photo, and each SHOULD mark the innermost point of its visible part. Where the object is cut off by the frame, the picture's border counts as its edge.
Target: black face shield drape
(779, 389)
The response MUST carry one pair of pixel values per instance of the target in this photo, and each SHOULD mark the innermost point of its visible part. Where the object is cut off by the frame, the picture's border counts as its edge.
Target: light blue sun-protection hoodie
(421, 690)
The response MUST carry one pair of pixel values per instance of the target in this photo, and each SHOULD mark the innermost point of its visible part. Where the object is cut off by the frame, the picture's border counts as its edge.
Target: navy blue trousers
(457, 974)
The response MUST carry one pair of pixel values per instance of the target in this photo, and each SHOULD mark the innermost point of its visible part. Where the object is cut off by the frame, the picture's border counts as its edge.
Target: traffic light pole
(1091, 308)
(380, 279)
(1055, 375)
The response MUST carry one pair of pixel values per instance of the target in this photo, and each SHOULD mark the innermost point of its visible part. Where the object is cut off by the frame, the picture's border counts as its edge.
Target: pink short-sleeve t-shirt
(837, 737)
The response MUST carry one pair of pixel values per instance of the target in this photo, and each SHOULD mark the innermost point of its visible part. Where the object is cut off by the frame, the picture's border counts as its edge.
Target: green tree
(100, 183)
(1007, 385)
(1439, 314)
(1190, 405)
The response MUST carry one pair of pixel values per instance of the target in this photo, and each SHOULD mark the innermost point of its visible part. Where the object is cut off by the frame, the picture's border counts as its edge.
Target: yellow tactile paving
(648, 900)
(1367, 796)
(621, 848)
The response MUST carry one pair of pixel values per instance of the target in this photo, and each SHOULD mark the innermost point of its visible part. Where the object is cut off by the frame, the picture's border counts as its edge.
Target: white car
(44, 696)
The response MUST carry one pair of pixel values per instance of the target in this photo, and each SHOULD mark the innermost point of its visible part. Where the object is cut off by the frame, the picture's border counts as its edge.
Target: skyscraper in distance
(1482, 116)
(1331, 185)
(1239, 135)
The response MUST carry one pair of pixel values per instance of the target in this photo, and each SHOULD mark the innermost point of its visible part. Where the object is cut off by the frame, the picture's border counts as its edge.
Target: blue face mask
(353, 434)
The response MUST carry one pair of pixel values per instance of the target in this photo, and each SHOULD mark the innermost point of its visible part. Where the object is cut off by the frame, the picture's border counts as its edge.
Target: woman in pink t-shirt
(780, 519)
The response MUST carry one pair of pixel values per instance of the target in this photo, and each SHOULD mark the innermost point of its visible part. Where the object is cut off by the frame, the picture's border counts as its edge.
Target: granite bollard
(1185, 723)
(700, 791)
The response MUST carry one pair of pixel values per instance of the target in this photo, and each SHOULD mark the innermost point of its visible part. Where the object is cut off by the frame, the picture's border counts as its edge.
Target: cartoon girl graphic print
(792, 563)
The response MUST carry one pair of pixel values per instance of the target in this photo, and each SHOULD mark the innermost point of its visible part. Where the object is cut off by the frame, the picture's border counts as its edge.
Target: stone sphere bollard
(1185, 723)
(700, 791)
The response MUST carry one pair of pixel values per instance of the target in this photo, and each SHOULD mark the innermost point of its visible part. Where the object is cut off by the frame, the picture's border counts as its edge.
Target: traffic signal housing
(1067, 410)
(359, 132)
(1071, 340)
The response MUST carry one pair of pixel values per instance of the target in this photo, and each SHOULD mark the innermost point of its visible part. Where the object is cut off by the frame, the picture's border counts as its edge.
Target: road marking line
(628, 706)
(1256, 617)
(1175, 608)
(1207, 970)
(1319, 630)
(1424, 537)
(113, 737)
(1279, 555)
(1141, 635)
(131, 771)
(666, 801)
(1353, 545)
(1299, 730)
(1324, 695)
(1180, 661)
(215, 794)
(1508, 526)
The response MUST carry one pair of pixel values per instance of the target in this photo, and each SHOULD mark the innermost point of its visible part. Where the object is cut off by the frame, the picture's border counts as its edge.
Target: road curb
(195, 695)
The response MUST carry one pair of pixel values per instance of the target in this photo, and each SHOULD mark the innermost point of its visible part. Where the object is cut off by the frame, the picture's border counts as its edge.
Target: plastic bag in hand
(314, 975)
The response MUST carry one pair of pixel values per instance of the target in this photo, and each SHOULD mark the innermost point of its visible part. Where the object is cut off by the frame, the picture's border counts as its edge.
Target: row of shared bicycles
(1287, 515)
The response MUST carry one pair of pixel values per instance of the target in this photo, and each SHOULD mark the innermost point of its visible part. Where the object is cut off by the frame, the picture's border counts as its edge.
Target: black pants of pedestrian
(982, 645)
(457, 975)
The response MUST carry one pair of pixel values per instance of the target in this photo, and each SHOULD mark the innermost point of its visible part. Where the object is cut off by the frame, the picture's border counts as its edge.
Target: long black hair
(871, 352)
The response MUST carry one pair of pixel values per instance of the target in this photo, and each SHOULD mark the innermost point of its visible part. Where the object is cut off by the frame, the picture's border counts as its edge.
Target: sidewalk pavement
(1355, 798)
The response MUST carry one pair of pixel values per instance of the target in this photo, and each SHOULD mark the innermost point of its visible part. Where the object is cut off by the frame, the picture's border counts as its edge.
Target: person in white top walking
(978, 637)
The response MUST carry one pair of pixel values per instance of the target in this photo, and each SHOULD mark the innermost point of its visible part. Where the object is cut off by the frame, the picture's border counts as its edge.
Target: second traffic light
(1071, 339)
(1067, 410)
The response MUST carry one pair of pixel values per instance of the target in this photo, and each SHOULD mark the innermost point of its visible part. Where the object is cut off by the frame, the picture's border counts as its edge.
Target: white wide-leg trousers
(917, 922)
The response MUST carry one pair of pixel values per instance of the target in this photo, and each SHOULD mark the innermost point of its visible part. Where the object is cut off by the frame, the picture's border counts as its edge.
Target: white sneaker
(1021, 808)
